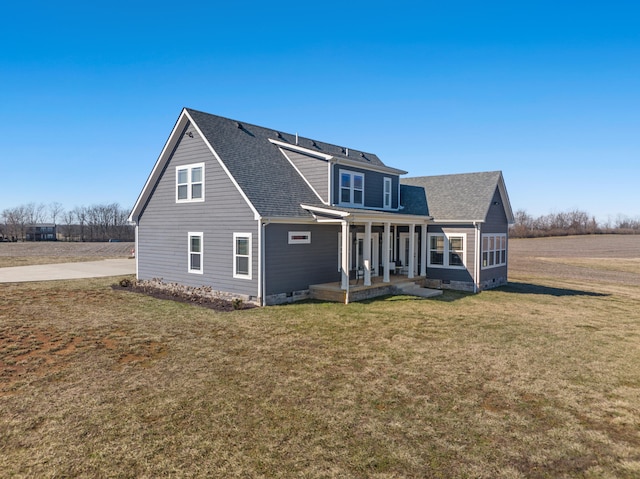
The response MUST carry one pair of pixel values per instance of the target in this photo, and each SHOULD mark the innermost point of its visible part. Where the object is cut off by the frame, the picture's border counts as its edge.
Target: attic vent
(239, 125)
(313, 143)
(278, 135)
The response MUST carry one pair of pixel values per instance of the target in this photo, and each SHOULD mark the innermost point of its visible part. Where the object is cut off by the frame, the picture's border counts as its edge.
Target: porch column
(366, 254)
(423, 250)
(344, 264)
(386, 237)
(412, 250)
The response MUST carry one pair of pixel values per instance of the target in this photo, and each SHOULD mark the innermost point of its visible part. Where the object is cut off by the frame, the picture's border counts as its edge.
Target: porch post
(386, 236)
(367, 253)
(423, 250)
(344, 266)
(412, 250)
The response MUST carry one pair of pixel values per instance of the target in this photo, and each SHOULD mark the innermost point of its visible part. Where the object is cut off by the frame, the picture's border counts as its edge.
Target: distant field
(539, 379)
(52, 252)
(603, 258)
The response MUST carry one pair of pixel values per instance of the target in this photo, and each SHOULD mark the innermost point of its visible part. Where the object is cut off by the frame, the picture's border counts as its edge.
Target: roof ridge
(344, 149)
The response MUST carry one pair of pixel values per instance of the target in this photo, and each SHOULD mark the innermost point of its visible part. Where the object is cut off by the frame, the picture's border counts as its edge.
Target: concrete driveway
(48, 272)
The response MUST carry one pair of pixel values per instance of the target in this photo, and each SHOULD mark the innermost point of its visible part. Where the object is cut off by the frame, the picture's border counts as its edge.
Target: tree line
(574, 222)
(99, 222)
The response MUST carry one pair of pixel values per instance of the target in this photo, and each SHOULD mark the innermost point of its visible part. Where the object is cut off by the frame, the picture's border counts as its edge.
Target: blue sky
(547, 92)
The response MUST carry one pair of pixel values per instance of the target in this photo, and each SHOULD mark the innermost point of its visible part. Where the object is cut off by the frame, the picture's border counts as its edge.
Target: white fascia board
(456, 222)
(287, 220)
(158, 167)
(301, 149)
(302, 176)
(391, 218)
(359, 164)
(326, 211)
(256, 215)
(505, 200)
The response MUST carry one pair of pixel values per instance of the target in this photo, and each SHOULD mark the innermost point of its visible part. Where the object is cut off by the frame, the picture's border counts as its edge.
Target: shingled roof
(262, 172)
(460, 197)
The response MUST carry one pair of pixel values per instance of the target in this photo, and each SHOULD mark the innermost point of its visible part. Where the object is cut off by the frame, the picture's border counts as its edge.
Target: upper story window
(190, 183)
(446, 250)
(387, 193)
(351, 188)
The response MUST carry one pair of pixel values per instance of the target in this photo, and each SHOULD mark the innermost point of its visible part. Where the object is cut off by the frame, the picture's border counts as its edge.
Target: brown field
(540, 379)
(28, 253)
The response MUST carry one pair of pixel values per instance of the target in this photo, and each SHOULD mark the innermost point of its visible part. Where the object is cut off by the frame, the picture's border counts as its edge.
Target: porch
(358, 291)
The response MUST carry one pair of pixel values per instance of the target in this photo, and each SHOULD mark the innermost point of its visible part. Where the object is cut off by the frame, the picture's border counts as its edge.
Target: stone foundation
(285, 298)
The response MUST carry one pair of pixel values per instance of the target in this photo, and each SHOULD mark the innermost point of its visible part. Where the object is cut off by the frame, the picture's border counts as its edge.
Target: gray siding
(452, 274)
(164, 226)
(293, 267)
(373, 186)
(314, 170)
(496, 222)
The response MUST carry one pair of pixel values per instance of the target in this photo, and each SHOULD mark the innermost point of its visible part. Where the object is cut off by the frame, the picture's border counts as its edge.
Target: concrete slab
(49, 272)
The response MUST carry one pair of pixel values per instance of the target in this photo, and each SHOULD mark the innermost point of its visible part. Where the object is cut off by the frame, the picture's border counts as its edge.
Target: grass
(540, 379)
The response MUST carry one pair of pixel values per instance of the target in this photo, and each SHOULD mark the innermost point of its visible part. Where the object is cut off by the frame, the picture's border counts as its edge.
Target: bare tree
(55, 210)
(69, 217)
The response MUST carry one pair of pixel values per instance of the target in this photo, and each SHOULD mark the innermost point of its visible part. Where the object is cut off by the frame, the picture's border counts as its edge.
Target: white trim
(359, 164)
(303, 177)
(248, 275)
(200, 235)
(260, 263)
(154, 176)
(326, 211)
(304, 237)
(301, 149)
(189, 184)
(387, 181)
(446, 251)
(135, 251)
(256, 215)
(352, 189)
(496, 250)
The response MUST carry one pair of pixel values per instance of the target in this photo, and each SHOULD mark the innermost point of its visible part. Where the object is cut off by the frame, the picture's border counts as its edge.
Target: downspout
(135, 250)
(477, 261)
(262, 289)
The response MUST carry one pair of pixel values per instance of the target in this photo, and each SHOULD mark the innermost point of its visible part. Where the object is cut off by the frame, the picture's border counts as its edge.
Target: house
(41, 232)
(263, 214)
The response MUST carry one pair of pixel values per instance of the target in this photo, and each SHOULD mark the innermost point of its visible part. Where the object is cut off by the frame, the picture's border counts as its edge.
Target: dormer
(343, 177)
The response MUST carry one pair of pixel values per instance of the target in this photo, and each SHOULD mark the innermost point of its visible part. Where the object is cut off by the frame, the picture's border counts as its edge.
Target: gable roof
(461, 197)
(251, 156)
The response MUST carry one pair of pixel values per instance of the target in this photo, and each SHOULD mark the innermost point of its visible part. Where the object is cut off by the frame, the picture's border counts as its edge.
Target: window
(195, 253)
(436, 250)
(351, 188)
(242, 255)
(299, 237)
(446, 250)
(494, 250)
(387, 193)
(190, 183)
(456, 251)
